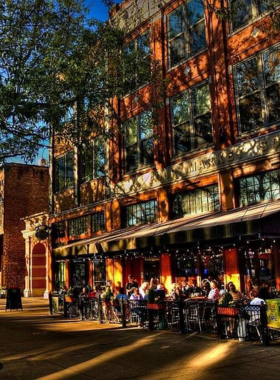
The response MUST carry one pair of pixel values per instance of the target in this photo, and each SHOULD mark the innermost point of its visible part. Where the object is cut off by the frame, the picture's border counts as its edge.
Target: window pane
(195, 11)
(87, 162)
(272, 66)
(202, 100)
(131, 158)
(247, 77)
(146, 125)
(99, 157)
(182, 137)
(180, 109)
(69, 169)
(264, 186)
(203, 130)
(178, 50)
(97, 222)
(176, 23)
(241, 13)
(147, 151)
(197, 37)
(273, 103)
(131, 131)
(140, 213)
(144, 71)
(196, 201)
(60, 174)
(250, 112)
(143, 44)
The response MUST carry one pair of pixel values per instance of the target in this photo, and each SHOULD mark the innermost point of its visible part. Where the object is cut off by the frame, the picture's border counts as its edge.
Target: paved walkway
(35, 345)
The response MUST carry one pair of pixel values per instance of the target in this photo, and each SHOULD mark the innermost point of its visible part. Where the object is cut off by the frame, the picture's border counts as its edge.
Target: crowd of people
(210, 290)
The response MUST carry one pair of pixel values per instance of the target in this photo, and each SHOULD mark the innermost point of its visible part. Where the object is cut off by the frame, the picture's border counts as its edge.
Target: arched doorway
(38, 273)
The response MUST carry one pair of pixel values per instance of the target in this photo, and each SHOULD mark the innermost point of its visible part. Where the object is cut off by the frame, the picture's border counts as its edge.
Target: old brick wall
(26, 193)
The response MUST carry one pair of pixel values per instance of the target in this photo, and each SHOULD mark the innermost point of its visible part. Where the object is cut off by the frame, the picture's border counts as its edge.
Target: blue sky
(98, 9)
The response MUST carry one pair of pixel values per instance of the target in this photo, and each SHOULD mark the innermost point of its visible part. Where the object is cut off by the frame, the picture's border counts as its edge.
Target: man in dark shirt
(131, 285)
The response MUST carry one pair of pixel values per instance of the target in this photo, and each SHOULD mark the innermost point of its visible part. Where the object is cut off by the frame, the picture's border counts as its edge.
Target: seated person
(160, 292)
(236, 294)
(140, 311)
(214, 293)
(193, 290)
(176, 292)
(144, 288)
(255, 300)
(205, 286)
(131, 285)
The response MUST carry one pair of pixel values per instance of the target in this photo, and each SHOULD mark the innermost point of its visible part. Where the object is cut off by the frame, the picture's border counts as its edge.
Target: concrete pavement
(35, 345)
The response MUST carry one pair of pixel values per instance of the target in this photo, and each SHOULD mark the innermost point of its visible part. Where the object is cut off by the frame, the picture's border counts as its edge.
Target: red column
(165, 269)
(231, 266)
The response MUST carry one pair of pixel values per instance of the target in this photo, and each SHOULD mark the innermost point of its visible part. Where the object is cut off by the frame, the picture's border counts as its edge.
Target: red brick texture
(25, 193)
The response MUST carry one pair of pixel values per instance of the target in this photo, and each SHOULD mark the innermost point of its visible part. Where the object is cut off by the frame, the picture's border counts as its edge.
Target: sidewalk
(35, 345)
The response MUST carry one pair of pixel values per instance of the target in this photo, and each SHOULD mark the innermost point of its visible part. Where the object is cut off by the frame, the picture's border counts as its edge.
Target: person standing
(131, 285)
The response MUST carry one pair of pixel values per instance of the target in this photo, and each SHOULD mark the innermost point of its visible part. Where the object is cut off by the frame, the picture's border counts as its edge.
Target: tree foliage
(53, 62)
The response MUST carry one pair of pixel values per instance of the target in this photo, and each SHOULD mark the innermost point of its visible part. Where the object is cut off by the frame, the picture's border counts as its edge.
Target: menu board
(13, 301)
(273, 313)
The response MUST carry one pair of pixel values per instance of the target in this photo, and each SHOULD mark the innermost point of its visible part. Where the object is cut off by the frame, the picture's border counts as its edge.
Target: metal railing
(244, 322)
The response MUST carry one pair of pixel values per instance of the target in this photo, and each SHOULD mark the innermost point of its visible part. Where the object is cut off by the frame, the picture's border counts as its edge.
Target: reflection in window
(196, 201)
(186, 29)
(139, 142)
(140, 213)
(64, 171)
(258, 90)
(97, 222)
(245, 11)
(260, 187)
(78, 226)
(93, 159)
(191, 119)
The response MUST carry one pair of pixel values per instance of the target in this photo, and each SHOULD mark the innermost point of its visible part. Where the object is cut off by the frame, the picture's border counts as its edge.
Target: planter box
(155, 306)
(228, 310)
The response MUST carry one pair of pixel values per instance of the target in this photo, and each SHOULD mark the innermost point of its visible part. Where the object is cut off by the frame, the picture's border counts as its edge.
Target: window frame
(139, 141)
(136, 49)
(257, 194)
(67, 181)
(138, 213)
(196, 196)
(95, 153)
(185, 33)
(189, 125)
(100, 222)
(80, 226)
(265, 110)
(255, 10)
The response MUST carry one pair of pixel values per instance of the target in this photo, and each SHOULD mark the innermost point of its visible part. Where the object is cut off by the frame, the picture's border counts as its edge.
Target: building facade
(191, 184)
(24, 191)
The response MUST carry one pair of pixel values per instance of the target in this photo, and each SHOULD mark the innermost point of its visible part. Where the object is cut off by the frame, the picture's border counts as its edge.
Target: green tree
(54, 70)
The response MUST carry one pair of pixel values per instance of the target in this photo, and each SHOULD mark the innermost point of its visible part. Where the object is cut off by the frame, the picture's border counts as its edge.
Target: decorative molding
(238, 154)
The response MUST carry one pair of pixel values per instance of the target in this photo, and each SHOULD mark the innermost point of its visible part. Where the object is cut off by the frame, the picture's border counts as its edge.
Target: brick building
(24, 191)
(195, 190)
